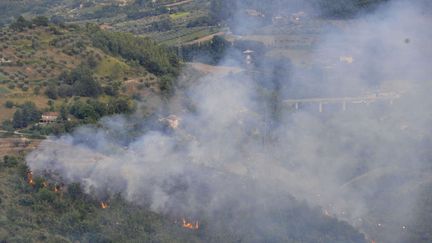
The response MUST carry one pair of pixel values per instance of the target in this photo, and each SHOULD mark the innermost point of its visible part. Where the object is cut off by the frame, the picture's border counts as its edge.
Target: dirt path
(204, 38)
(178, 3)
(19, 133)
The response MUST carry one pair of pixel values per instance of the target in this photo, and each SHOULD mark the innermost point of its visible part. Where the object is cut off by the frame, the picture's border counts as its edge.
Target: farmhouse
(49, 117)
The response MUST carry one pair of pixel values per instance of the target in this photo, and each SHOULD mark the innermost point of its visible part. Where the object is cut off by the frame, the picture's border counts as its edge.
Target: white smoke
(363, 165)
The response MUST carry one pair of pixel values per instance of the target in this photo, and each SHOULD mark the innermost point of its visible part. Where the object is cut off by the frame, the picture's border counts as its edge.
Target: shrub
(10, 161)
(74, 190)
(25, 115)
(26, 201)
(136, 96)
(46, 195)
(7, 125)
(36, 90)
(51, 92)
(9, 104)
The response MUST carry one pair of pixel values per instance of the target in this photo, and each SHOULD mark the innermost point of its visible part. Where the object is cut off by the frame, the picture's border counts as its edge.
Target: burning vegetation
(104, 205)
(30, 180)
(57, 188)
(190, 225)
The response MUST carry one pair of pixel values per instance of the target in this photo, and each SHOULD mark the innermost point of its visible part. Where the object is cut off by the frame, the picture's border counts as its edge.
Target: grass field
(179, 15)
(112, 67)
(4, 90)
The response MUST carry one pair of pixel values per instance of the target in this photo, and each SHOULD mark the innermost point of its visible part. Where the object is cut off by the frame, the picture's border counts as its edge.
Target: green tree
(40, 21)
(46, 195)
(87, 86)
(75, 192)
(144, 51)
(119, 105)
(10, 161)
(31, 112)
(20, 24)
(92, 62)
(167, 85)
(51, 91)
(25, 115)
(19, 120)
(35, 44)
(83, 110)
(7, 125)
(63, 113)
(9, 104)
(65, 90)
(99, 107)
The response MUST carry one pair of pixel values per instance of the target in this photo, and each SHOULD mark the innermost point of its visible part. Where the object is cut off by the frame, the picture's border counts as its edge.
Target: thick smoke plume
(229, 155)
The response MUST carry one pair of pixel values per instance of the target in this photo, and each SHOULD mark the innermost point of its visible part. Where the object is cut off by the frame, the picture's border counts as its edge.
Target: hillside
(215, 121)
(168, 21)
(56, 66)
(43, 210)
(40, 214)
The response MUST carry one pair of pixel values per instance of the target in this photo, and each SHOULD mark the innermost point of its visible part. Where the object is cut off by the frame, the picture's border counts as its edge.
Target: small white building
(49, 117)
(248, 56)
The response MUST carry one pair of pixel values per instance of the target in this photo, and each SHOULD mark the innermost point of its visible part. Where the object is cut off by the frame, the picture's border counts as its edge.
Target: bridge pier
(342, 101)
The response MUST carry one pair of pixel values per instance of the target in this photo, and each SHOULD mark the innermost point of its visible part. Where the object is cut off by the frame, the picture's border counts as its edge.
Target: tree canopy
(146, 52)
(26, 114)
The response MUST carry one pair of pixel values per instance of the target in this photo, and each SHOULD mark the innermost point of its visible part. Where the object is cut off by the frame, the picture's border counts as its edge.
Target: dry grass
(15, 146)
(41, 102)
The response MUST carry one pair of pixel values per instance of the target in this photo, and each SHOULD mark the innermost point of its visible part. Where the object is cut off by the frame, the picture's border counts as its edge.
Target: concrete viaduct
(343, 101)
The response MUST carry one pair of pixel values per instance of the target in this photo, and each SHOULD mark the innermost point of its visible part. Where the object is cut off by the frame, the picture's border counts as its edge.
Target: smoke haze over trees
(248, 166)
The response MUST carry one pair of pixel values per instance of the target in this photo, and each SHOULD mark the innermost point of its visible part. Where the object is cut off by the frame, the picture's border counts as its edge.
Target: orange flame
(190, 225)
(30, 180)
(57, 188)
(104, 205)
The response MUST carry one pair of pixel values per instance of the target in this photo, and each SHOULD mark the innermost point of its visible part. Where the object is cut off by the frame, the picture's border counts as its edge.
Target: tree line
(88, 111)
(21, 23)
(213, 51)
(146, 52)
(78, 82)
